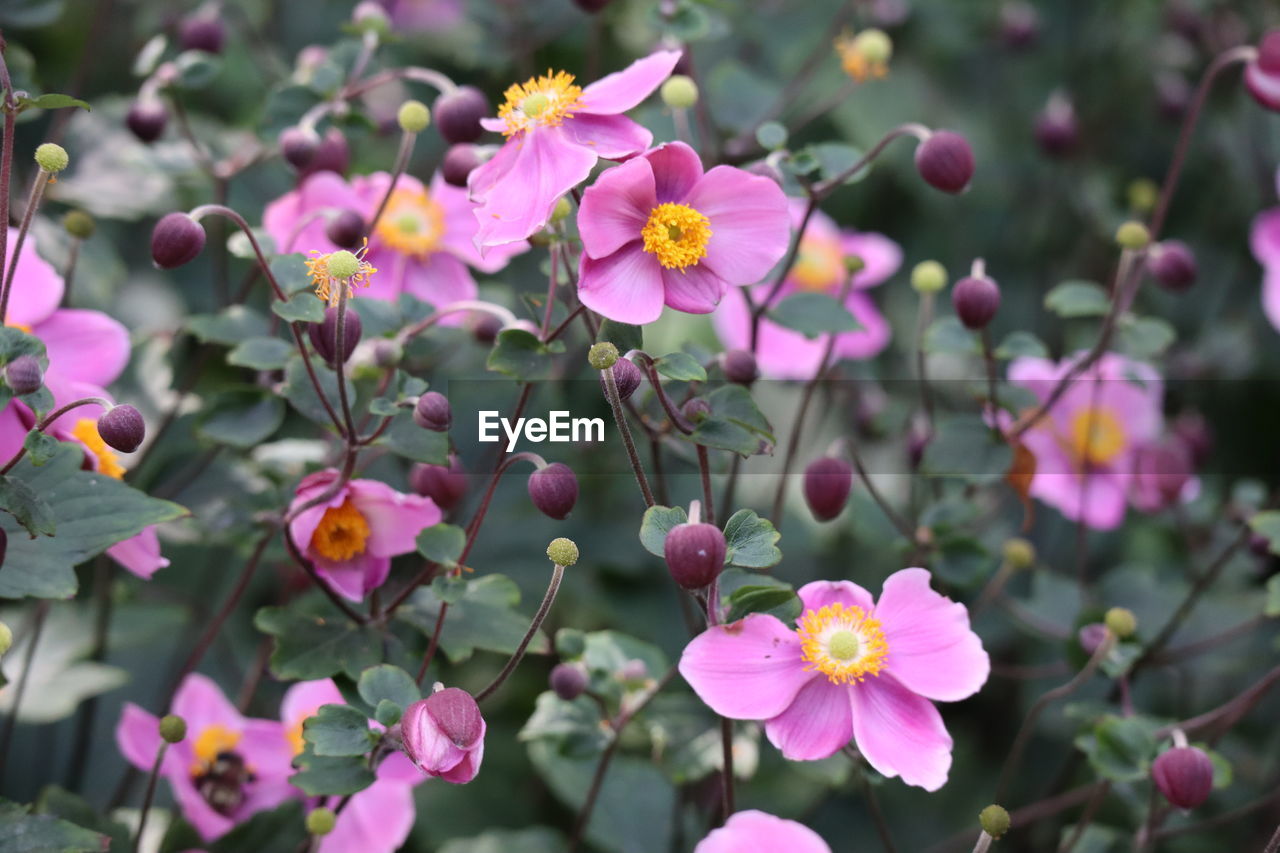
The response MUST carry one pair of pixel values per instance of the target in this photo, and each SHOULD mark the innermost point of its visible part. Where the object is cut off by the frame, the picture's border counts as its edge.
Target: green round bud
(1133, 236)
(602, 356)
(994, 820)
(413, 116)
(6, 638)
(561, 211)
(534, 105)
(321, 821)
(52, 158)
(1121, 622)
(1143, 194)
(854, 263)
(874, 45)
(928, 277)
(541, 239)
(173, 728)
(1019, 553)
(570, 643)
(342, 264)
(562, 552)
(78, 224)
(679, 92)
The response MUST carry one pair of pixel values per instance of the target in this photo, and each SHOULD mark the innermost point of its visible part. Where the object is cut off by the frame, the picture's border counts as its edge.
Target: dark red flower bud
(1173, 265)
(696, 410)
(976, 300)
(1262, 76)
(485, 328)
(945, 161)
(1091, 636)
(695, 554)
(346, 230)
(433, 412)
(446, 486)
(458, 163)
(147, 119)
(1193, 430)
(1019, 24)
(24, 374)
(332, 155)
(1269, 52)
(1184, 20)
(298, 146)
(455, 711)
(568, 681)
(1056, 130)
(739, 366)
(1161, 470)
(827, 482)
(592, 6)
(554, 490)
(122, 428)
(1184, 775)
(458, 113)
(625, 375)
(324, 335)
(176, 240)
(202, 32)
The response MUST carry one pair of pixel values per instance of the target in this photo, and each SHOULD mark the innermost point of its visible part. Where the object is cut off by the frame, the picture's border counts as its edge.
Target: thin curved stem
(33, 202)
(150, 795)
(401, 163)
(310, 569)
(49, 419)
(919, 131)
(548, 599)
(615, 402)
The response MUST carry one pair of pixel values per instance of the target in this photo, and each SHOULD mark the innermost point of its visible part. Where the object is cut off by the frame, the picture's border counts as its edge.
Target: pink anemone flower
(757, 832)
(444, 735)
(1085, 447)
(1264, 239)
(375, 820)
(820, 267)
(421, 245)
(854, 668)
(227, 768)
(353, 535)
(555, 132)
(658, 231)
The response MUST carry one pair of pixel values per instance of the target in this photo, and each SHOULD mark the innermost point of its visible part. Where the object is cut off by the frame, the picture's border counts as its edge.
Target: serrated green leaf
(387, 683)
(520, 355)
(752, 541)
(681, 367)
(485, 618)
(40, 447)
(656, 524)
(320, 776)
(308, 647)
(337, 730)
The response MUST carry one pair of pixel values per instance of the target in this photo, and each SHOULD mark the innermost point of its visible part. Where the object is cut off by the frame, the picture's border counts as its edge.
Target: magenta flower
(819, 268)
(1262, 74)
(228, 767)
(352, 536)
(444, 735)
(656, 231)
(422, 244)
(854, 669)
(1084, 448)
(1264, 239)
(555, 133)
(757, 832)
(1163, 475)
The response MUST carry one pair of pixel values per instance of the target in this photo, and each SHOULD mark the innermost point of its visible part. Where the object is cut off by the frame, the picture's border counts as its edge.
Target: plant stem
(37, 628)
(33, 203)
(877, 815)
(1086, 817)
(401, 163)
(49, 419)
(757, 313)
(548, 599)
(151, 793)
(615, 402)
(797, 429)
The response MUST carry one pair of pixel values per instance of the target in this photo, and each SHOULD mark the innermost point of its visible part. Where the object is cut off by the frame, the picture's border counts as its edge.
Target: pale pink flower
(757, 832)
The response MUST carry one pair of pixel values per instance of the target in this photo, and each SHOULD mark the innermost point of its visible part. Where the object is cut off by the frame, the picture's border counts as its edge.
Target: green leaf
(92, 512)
(813, 314)
(1078, 299)
(1145, 337)
(338, 730)
(1267, 525)
(735, 423)
(260, 353)
(963, 560)
(240, 419)
(388, 713)
(623, 336)
(681, 367)
(308, 647)
(484, 618)
(40, 446)
(743, 592)
(533, 839)
(301, 394)
(387, 683)
(384, 407)
(607, 652)
(27, 508)
(21, 832)
(1021, 345)
(1121, 749)
(60, 803)
(196, 68)
(51, 101)
(573, 726)
(228, 327)
(967, 447)
(657, 523)
(520, 355)
(772, 136)
(752, 541)
(948, 335)
(405, 438)
(320, 775)
(302, 307)
(1271, 608)
(442, 544)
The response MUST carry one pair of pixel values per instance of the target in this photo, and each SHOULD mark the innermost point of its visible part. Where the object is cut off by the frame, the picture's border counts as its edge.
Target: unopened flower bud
(173, 729)
(458, 114)
(695, 554)
(1173, 95)
(1262, 76)
(332, 154)
(633, 672)
(346, 230)
(554, 490)
(485, 328)
(52, 157)
(928, 277)
(740, 367)
(568, 681)
(561, 211)
(1091, 637)
(1019, 24)
(6, 633)
(592, 6)
(176, 240)
(413, 117)
(443, 735)
(24, 375)
(626, 376)
(696, 410)
(562, 551)
(298, 146)
(324, 335)
(1019, 553)
(602, 355)
(202, 31)
(78, 224)
(1143, 194)
(1173, 265)
(122, 428)
(433, 412)
(945, 161)
(976, 300)
(370, 16)
(1056, 129)
(1133, 235)
(1121, 622)
(679, 92)
(387, 353)
(1184, 775)
(321, 821)
(827, 481)
(1193, 430)
(445, 485)
(459, 161)
(146, 119)
(994, 820)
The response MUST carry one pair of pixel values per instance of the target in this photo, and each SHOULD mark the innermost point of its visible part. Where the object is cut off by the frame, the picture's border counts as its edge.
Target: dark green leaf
(763, 599)
(302, 307)
(621, 335)
(1020, 345)
(338, 730)
(242, 419)
(320, 776)
(281, 830)
(813, 314)
(771, 135)
(1145, 337)
(21, 832)
(299, 391)
(260, 353)
(574, 726)
(948, 335)
(309, 647)
(680, 366)
(1121, 749)
(387, 683)
(533, 839)
(228, 327)
(27, 507)
(387, 713)
(405, 438)
(442, 544)
(657, 523)
(735, 423)
(966, 447)
(40, 447)
(1078, 299)
(520, 355)
(484, 618)
(51, 101)
(752, 541)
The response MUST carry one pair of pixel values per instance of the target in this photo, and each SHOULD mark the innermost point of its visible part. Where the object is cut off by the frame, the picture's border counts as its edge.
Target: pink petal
(820, 594)
(138, 736)
(677, 168)
(303, 699)
(750, 227)
(13, 429)
(201, 703)
(303, 527)
(616, 207)
(490, 173)
(264, 745)
(611, 137)
(1263, 86)
(466, 769)
(376, 820)
(750, 670)
(1264, 237)
(756, 832)
(208, 824)
(395, 519)
(816, 725)
(1271, 294)
(622, 90)
(37, 287)
(880, 256)
(900, 733)
(625, 286)
(294, 220)
(694, 290)
(140, 554)
(397, 767)
(871, 339)
(932, 650)
(460, 230)
(353, 578)
(439, 279)
(87, 346)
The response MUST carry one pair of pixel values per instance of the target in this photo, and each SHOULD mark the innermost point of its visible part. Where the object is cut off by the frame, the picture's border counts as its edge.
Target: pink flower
(1262, 74)
(353, 535)
(854, 669)
(1163, 475)
(422, 244)
(555, 133)
(756, 832)
(228, 767)
(819, 268)
(656, 231)
(377, 819)
(1084, 448)
(444, 735)
(424, 15)
(1264, 239)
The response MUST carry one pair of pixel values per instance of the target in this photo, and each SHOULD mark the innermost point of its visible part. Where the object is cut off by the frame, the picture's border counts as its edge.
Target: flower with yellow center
(209, 744)
(341, 267)
(86, 432)
(842, 642)
(543, 101)
(341, 533)
(677, 234)
(1096, 436)
(819, 266)
(293, 734)
(412, 223)
(866, 55)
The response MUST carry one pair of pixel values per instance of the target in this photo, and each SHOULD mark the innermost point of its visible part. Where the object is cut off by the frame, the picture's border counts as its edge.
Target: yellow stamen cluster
(864, 56)
(412, 223)
(843, 643)
(212, 742)
(341, 533)
(86, 432)
(819, 266)
(1096, 436)
(543, 101)
(323, 279)
(677, 234)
